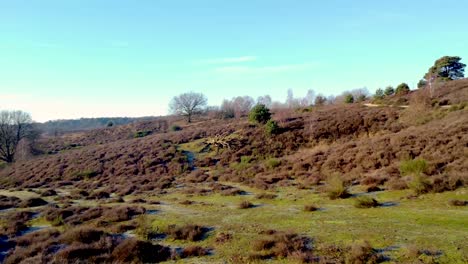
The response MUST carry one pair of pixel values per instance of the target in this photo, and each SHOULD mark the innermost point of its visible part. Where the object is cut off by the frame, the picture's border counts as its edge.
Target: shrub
(140, 134)
(265, 196)
(123, 213)
(9, 202)
(33, 202)
(223, 237)
(362, 252)
(194, 251)
(271, 128)
(273, 163)
(379, 94)
(136, 251)
(144, 227)
(403, 88)
(458, 203)
(176, 128)
(259, 114)
(245, 205)
(48, 193)
(282, 245)
(84, 235)
(389, 91)
(365, 202)
(187, 232)
(336, 188)
(420, 184)
(349, 99)
(413, 167)
(310, 208)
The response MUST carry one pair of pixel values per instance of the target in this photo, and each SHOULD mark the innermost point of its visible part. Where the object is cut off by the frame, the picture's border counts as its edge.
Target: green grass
(413, 167)
(428, 221)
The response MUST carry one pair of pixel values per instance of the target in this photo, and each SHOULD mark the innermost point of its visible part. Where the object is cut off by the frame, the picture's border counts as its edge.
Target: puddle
(5, 246)
(151, 212)
(33, 229)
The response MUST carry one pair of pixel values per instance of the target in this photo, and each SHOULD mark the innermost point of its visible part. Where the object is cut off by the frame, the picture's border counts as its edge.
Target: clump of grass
(33, 202)
(245, 205)
(365, 202)
(136, 251)
(362, 252)
(223, 237)
(336, 188)
(310, 208)
(144, 227)
(186, 232)
(413, 167)
(176, 128)
(265, 196)
(420, 184)
(140, 134)
(458, 203)
(194, 251)
(186, 202)
(85, 235)
(272, 163)
(283, 245)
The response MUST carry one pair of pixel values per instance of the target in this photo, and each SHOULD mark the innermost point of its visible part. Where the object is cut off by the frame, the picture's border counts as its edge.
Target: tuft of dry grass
(186, 232)
(458, 203)
(365, 202)
(336, 188)
(310, 208)
(245, 205)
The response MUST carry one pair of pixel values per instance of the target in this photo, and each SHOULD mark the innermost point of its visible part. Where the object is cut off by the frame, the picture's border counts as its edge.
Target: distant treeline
(56, 127)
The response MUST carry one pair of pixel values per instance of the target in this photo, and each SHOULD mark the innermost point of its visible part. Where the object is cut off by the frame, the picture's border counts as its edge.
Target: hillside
(414, 158)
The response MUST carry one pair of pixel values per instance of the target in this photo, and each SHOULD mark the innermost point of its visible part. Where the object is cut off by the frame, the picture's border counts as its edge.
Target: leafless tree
(237, 106)
(188, 104)
(265, 100)
(14, 127)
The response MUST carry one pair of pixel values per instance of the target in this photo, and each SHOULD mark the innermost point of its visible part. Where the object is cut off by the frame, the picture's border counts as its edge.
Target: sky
(64, 59)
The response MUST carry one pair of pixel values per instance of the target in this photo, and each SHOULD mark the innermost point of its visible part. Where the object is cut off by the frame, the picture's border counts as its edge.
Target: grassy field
(427, 222)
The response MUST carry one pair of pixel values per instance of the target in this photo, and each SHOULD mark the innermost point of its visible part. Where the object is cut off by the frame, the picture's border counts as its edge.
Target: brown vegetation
(187, 232)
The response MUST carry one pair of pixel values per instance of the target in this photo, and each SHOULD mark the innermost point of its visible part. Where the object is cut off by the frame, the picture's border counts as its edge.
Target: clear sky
(87, 58)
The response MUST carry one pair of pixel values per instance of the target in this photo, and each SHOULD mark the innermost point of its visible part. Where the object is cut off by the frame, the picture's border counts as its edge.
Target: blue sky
(84, 58)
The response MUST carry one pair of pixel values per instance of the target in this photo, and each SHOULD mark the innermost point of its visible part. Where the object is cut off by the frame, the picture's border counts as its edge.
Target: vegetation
(389, 91)
(365, 202)
(104, 196)
(271, 127)
(188, 104)
(413, 167)
(336, 188)
(349, 99)
(15, 126)
(260, 114)
(403, 88)
(447, 68)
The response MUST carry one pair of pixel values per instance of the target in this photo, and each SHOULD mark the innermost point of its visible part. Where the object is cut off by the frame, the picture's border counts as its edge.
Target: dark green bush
(402, 89)
(260, 114)
(271, 127)
(176, 128)
(140, 134)
(349, 99)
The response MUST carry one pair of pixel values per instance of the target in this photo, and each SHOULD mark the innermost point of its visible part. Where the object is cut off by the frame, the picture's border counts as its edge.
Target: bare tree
(14, 127)
(237, 106)
(188, 104)
(265, 100)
